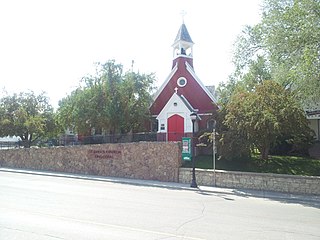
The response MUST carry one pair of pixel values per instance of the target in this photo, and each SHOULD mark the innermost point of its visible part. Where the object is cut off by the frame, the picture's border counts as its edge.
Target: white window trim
(185, 81)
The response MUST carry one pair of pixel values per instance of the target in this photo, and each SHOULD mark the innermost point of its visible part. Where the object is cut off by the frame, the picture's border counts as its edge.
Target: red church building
(182, 94)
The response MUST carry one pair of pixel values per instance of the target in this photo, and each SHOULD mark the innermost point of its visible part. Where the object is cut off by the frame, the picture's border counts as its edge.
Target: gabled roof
(181, 106)
(188, 105)
(194, 93)
(183, 35)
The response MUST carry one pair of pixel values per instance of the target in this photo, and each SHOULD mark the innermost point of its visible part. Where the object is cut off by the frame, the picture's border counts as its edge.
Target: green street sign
(186, 149)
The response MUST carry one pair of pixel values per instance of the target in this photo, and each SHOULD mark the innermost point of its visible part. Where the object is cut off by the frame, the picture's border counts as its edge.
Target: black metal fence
(67, 140)
(72, 139)
(112, 138)
(9, 144)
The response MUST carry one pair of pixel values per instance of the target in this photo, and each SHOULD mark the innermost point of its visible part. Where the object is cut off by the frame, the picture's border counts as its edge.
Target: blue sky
(50, 45)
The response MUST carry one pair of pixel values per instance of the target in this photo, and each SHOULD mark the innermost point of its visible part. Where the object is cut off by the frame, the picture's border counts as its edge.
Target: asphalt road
(42, 207)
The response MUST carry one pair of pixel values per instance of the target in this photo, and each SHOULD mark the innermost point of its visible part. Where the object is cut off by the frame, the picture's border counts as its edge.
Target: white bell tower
(183, 44)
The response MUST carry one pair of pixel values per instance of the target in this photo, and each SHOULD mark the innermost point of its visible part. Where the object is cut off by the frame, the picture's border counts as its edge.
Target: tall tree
(288, 37)
(266, 113)
(110, 100)
(26, 115)
(231, 144)
(136, 89)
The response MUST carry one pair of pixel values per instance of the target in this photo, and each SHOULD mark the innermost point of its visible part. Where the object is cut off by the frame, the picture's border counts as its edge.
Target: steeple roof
(183, 35)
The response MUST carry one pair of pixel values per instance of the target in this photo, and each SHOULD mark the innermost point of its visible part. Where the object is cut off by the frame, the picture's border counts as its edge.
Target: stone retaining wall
(144, 160)
(256, 181)
(147, 160)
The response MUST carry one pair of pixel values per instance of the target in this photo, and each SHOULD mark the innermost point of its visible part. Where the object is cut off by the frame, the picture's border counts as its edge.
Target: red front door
(175, 128)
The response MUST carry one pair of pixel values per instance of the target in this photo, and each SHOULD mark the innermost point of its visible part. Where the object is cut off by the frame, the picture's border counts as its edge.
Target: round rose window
(182, 82)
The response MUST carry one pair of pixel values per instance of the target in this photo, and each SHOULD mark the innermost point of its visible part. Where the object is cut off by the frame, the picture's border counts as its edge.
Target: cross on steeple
(176, 89)
(183, 13)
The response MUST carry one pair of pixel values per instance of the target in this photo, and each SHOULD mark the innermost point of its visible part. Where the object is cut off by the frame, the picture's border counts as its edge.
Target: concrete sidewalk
(174, 185)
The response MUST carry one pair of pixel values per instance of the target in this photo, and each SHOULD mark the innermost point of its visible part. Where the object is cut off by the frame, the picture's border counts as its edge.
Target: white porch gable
(175, 105)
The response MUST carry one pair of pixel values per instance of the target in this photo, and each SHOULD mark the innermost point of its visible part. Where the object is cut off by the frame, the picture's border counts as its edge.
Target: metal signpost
(214, 152)
(214, 155)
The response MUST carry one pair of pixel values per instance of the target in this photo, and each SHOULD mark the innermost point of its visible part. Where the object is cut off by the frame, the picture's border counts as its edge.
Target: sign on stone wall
(105, 154)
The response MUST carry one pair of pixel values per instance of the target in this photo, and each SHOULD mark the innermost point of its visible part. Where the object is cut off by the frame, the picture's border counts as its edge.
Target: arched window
(211, 124)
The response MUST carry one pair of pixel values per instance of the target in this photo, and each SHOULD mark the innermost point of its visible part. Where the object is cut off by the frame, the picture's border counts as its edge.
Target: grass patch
(276, 164)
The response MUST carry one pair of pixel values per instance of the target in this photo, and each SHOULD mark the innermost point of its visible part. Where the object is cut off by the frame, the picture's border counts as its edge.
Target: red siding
(193, 92)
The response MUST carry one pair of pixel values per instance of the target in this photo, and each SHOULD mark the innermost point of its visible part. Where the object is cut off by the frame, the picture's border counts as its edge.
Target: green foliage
(110, 101)
(298, 144)
(256, 112)
(259, 71)
(26, 115)
(287, 165)
(283, 47)
(230, 143)
(288, 38)
(276, 164)
(264, 114)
